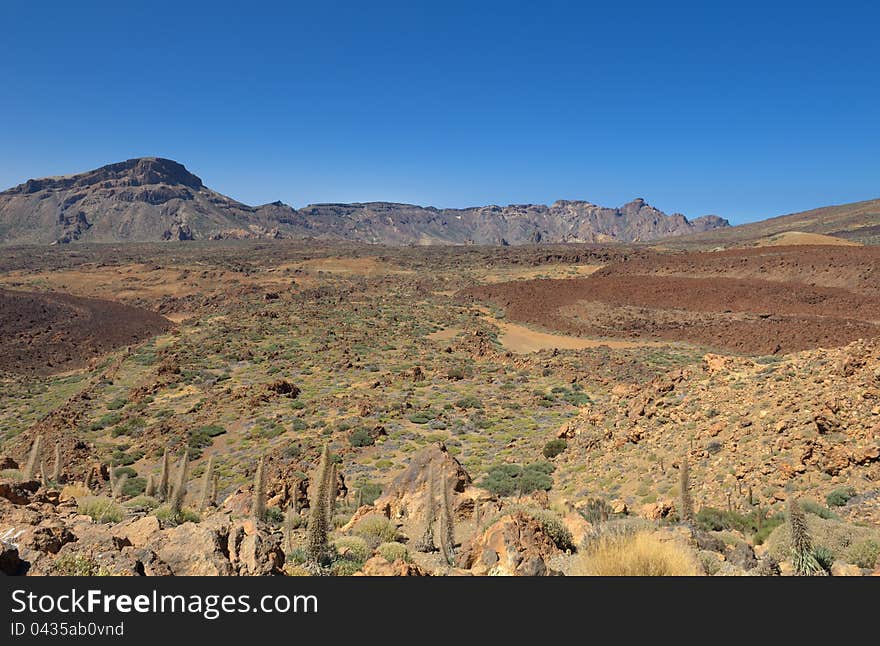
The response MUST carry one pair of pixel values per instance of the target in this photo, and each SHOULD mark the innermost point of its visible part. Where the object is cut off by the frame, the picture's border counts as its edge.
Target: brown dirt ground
(724, 307)
(45, 333)
(856, 269)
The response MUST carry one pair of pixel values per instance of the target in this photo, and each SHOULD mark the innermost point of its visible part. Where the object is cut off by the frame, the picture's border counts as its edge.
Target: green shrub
(167, 516)
(813, 507)
(212, 430)
(107, 420)
(507, 479)
(715, 520)
(345, 568)
(274, 516)
(201, 438)
(864, 553)
(362, 437)
(134, 487)
(469, 402)
(375, 529)
(116, 404)
(368, 492)
(141, 503)
(554, 448)
(393, 551)
(839, 497)
(100, 508)
(70, 564)
(353, 548)
(419, 419)
(824, 557)
(131, 473)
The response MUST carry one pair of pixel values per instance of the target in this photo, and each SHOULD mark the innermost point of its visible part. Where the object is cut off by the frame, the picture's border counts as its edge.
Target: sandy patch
(522, 340)
(793, 238)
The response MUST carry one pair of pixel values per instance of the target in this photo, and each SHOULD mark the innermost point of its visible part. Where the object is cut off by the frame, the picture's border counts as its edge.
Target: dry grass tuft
(641, 554)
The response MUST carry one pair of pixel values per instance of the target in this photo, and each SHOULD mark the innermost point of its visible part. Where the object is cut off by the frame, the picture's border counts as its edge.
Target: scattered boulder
(406, 495)
(515, 545)
(18, 492)
(378, 566)
(284, 387)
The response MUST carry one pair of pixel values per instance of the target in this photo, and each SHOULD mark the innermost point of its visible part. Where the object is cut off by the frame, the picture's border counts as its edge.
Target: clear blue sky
(743, 110)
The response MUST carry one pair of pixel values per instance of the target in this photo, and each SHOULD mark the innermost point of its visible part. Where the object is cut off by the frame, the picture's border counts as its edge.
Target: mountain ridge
(153, 198)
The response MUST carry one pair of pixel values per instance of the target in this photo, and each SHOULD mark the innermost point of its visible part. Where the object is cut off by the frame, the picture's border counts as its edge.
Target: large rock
(10, 561)
(254, 550)
(378, 566)
(407, 493)
(196, 549)
(138, 532)
(18, 492)
(515, 545)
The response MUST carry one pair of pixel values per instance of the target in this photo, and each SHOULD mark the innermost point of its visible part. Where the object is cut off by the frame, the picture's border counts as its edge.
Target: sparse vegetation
(640, 554)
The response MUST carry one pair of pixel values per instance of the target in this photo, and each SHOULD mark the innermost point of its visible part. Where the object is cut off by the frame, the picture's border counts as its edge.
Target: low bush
(554, 448)
(508, 479)
(77, 565)
(101, 509)
(369, 492)
(840, 496)
(362, 437)
(141, 504)
(116, 404)
(375, 529)
(813, 507)
(353, 548)
(393, 551)
(864, 553)
(165, 514)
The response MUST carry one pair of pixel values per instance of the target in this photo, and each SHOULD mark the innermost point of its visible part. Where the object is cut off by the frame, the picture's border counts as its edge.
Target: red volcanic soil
(45, 333)
(724, 307)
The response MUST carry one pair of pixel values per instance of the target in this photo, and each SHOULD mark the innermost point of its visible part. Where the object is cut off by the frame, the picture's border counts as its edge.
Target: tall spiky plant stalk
(44, 479)
(179, 491)
(56, 472)
(359, 498)
(687, 508)
(258, 506)
(164, 476)
(332, 490)
(802, 555)
(87, 481)
(215, 487)
(426, 541)
(447, 533)
(34, 458)
(316, 531)
(207, 483)
(118, 486)
(150, 489)
(291, 521)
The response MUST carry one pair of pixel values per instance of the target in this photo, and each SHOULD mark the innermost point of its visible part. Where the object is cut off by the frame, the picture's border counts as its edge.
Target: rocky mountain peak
(142, 171)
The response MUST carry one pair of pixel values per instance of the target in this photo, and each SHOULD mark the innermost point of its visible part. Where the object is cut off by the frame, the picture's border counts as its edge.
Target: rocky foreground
(68, 530)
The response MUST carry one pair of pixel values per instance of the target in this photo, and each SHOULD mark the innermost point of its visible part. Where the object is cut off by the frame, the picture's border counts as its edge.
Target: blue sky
(744, 110)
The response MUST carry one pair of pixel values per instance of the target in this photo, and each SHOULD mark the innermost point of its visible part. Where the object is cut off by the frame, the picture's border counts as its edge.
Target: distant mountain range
(153, 199)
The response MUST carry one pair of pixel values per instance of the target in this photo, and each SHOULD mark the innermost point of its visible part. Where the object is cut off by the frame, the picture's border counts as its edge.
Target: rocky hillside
(151, 199)
(136, 200)
(858, 222)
